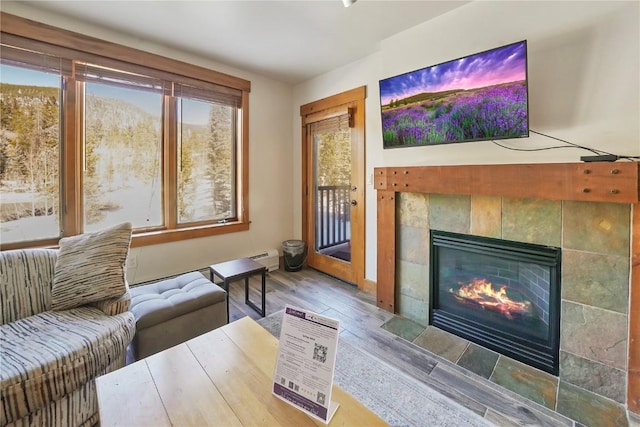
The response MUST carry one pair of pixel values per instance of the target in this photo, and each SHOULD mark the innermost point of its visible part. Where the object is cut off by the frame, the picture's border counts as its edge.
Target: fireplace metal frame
(541, 354)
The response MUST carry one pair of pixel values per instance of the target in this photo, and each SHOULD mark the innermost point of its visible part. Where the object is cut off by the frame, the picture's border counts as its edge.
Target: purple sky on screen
(502, 65)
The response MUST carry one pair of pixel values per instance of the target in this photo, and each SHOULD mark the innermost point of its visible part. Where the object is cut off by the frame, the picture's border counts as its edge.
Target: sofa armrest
(113, 306)
(26, 276)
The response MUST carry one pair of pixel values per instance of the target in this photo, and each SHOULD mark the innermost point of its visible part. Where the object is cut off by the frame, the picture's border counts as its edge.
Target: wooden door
(333, 182)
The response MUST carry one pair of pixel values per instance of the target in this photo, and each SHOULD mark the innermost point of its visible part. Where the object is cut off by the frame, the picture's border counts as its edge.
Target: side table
(237, 269)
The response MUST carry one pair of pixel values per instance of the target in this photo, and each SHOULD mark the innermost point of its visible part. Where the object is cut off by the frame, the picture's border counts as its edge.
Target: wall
(584, 62)
(270, 157)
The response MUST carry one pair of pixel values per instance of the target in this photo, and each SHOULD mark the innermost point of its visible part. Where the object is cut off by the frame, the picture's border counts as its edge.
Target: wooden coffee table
(221, 378)
(237, 269)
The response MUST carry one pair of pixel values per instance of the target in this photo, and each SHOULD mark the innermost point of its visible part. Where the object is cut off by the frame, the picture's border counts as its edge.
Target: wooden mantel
(615, 182)
(594, 182)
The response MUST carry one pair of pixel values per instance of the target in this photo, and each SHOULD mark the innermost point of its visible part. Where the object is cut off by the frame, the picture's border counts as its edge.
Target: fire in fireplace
(480, 293)
(500, 294)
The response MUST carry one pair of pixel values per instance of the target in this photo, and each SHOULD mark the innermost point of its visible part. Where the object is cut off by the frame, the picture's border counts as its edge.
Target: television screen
(478, 97)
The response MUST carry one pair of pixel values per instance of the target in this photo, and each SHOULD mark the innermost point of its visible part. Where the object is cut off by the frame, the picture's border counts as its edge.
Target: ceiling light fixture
(348, 3)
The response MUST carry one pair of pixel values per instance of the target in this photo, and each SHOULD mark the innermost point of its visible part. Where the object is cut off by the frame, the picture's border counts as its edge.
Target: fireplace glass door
(500, 294)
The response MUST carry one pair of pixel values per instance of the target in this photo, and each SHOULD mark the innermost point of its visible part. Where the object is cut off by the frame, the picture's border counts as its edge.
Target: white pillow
(91, 267)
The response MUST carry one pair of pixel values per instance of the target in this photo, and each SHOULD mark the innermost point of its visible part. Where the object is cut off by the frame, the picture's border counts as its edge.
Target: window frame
(78, 47)
(184, 93)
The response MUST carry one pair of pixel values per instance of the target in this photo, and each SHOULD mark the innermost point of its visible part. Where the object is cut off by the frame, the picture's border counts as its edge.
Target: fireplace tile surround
(595, 238)
(594, 284)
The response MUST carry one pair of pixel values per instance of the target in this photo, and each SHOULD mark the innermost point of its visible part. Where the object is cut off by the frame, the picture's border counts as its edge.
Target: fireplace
(500, 294)
(590, 210)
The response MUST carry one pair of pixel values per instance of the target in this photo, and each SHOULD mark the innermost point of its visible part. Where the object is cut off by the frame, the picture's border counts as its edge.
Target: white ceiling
(290, 41)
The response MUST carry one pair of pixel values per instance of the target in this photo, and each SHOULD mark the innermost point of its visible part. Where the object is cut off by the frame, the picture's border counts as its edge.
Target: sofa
(55, 342)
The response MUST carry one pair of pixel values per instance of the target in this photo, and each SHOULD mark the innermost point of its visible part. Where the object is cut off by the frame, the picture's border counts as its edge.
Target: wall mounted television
(478, 97)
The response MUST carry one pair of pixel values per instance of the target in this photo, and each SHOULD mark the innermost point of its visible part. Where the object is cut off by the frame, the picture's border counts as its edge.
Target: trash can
(295, 254)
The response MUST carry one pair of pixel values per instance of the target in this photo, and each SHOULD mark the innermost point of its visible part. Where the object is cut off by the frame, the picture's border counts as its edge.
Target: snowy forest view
(122, 165)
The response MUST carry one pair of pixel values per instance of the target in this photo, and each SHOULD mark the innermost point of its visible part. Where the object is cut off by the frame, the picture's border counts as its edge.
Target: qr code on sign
(320, 353)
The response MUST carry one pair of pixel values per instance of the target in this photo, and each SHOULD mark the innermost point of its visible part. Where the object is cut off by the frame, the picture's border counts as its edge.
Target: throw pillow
(91, 267)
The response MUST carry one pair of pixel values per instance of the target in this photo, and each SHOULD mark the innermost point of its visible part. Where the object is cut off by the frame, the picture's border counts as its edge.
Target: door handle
(354, 202)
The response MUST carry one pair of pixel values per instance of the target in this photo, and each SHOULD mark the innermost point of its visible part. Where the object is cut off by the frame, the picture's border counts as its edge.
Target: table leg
(264, 294)
(225, 284)
(260, 310)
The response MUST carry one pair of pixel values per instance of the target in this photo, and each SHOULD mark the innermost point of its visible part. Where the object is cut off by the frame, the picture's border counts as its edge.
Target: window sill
(151, 237)
(167, 236)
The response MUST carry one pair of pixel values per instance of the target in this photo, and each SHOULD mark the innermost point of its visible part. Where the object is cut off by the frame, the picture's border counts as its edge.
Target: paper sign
(306, 361)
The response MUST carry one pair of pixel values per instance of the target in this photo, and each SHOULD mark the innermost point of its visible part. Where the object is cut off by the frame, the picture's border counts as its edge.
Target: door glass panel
(332, 187)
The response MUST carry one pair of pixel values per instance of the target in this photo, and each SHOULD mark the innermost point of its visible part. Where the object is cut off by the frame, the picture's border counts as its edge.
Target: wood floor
(360, 320)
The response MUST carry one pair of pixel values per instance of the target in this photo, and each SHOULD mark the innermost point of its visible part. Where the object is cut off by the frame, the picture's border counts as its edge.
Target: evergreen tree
(334, 157)
(94, 135)
(49, 164)
(186, 188)
(220, 158)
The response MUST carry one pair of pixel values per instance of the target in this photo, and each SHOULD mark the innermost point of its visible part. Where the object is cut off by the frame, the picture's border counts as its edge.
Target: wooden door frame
(352, 101)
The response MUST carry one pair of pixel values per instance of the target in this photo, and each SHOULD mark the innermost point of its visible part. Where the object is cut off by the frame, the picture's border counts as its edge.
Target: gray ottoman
(175, 310)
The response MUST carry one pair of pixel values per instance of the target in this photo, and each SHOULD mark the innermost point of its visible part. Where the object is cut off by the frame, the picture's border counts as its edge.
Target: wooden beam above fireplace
(613, 182)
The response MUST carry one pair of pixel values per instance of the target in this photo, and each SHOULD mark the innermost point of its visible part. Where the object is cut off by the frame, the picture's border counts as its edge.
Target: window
(29, 148)
(207, 144)
(90, 138)
(122, 162)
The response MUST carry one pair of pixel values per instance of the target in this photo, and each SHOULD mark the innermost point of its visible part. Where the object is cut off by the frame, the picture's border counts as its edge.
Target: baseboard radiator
(269, 258)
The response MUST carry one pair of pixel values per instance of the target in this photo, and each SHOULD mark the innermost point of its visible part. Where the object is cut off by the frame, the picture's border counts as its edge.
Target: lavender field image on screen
(478, 97)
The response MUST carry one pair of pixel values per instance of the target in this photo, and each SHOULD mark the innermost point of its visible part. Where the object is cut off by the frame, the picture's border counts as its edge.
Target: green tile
(413, 244)
(403, 328)
(450, 213)
(595, 279)
(593, 376)
(526, 381)
(594, 334)
(413, 309)
(442, 343)
(486, 216)
(597, 227)
(413, 280)
(589, 408)
(413, 210)
(479, 360)
(532, 221)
